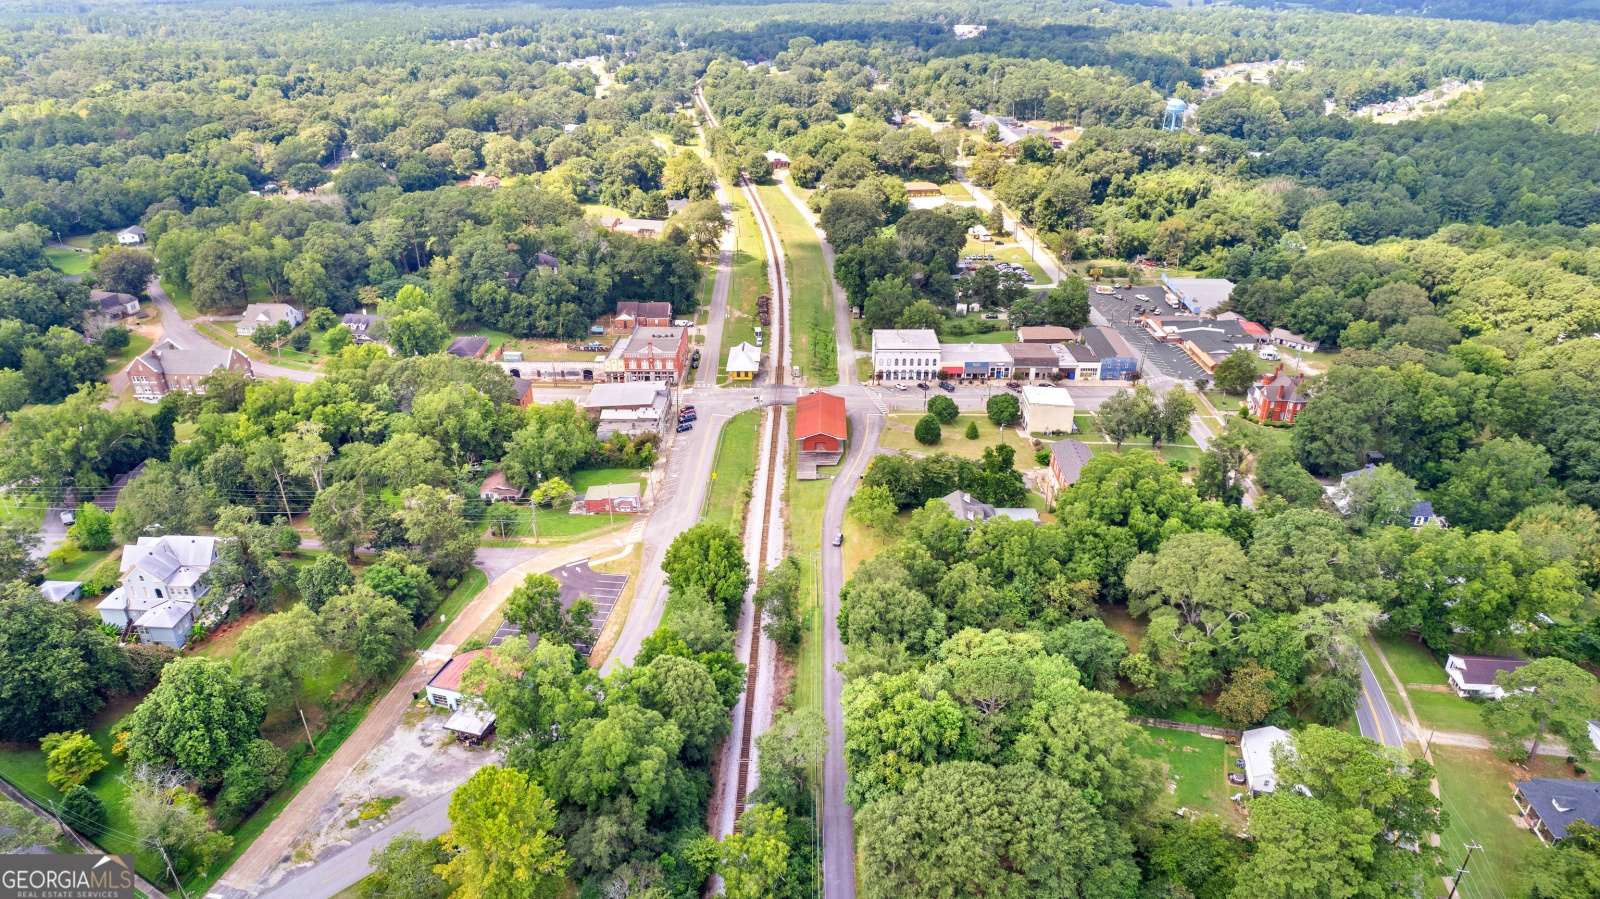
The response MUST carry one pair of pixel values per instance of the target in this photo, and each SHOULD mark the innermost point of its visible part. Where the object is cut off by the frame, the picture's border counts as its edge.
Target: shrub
(972, 430)
(91, 528)
(85, 811)
(115, 338)
(1042, 457)
(103, 578)
(927, 431)
(322, 318)
(71, 758)
(300, 340)
(64, 555)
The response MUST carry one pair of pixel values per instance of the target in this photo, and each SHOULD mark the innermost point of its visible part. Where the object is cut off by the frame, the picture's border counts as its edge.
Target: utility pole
(1456, 881)
(174, 874)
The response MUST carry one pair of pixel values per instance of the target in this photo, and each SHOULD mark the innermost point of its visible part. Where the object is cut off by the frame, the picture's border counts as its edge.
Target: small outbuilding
(619, 498)
(1255, 747)
(444, 688)
(468, 347)
(62, 591)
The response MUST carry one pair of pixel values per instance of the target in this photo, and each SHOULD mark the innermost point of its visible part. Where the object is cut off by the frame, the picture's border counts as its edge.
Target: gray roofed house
(162, 580)
(1067, 458)
(360, 325)
(168, 367)
(964, 507)
(1255, 748)
(1475, 675)
(62, 591)
(258, 314)
(115, 305)
(131, 236)
(1550, 805)
(468, 347)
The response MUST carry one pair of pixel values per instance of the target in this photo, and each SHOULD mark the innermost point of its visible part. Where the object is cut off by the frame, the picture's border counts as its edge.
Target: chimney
(1280, 392)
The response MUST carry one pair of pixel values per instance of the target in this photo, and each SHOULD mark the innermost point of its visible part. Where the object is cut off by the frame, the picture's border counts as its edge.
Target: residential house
(162, 580)
(922, 189)
(980, 234)
(131, 236)
(650, 354)
(964, 507)
(169, 368)
(820, 425)
(115, 305)
(62, 591)
(1550, 805)
(1474, 675)
(1047, 410)
(619, 498)
(361, 325)
(1293, 341)
(744, 362)
(468, 347)
(974, 360)
(905, 354)
(258, 314)
(1422, 515)
(632, 315)
(777, 160)
(479, 179)
(107, 499)
(1067, 458)
(546, 260)
(965, 32)
(444, 688)
(524, 390)
(1255, 747)
(496, 488)
(1033, 361)
(1198, 295)
(1276, 397)
(636, 227)
(1045, 334)
(627, 408)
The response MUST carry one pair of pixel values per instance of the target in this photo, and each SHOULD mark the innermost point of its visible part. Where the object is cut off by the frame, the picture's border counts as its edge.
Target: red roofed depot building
(819, 423)
(1277, 397)
(820, 428)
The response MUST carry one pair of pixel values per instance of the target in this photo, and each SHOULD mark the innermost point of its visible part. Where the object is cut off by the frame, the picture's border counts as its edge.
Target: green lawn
(748, 281)
(77, 570)
(1412, 662)
(734, 470)
(1476, 788)
(590, 477)
(955, 191)
(954, 440)
(180, 298)
(69, 262)
(137, 344)
(811, 288)
(472, 583)
(1198, 767)
(806, 501)
(991, 337)
(1447, 712)
(223, 333)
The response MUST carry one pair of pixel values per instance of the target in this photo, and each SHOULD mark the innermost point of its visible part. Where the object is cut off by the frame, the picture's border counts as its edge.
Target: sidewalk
(385, 715)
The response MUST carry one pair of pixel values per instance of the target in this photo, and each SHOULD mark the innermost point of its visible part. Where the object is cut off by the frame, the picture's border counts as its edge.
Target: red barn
(819, 423)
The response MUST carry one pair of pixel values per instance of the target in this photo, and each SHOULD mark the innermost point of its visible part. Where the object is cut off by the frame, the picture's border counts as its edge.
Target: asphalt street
(1373, 714)
(339, 872)
(184, 335)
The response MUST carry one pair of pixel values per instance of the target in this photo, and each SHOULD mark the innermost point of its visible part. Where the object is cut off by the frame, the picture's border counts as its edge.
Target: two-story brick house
(1277, 397)
(163, 578)
(169, 368)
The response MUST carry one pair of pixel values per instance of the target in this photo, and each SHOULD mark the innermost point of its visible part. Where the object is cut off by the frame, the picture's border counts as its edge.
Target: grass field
(180, 298)
(991, 337)
(955, 191)
(137, 344)
(748, 280)
(806, 503)
(79, 568)
(733, 472)
(811, 288)
(1197, 770)
(1476, 788)
(69, 262)
(1447, 712)
(472, 583)
(954, 440)
(1412, 662)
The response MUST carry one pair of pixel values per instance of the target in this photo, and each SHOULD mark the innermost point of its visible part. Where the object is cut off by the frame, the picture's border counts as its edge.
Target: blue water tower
(1172, 119)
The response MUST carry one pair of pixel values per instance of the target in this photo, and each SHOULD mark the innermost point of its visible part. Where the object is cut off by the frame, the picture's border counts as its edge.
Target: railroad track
(771, 454)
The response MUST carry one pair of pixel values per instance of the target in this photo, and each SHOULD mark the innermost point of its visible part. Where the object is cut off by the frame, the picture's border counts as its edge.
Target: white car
(899, 386)
(68, 517)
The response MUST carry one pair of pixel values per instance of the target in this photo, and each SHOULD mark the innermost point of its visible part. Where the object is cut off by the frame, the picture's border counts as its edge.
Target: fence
(1206, 730)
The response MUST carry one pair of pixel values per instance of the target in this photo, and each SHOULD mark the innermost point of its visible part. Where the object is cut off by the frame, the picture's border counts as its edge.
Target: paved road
(841, 303)
(183, 334)
(711, 351)
(1373, 714)
(339, 872)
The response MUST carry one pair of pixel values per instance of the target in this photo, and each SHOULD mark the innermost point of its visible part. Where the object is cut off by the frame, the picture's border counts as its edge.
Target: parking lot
(578, 579)
(1157, 358)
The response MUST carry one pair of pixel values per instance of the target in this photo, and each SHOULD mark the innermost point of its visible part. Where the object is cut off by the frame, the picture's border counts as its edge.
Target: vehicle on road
(686, 426)
(946, 385)
(838, 538)
(689, 408)
(992, 317)
(68, 517)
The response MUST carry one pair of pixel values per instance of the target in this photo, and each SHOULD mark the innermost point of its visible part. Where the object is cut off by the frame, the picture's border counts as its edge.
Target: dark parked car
(686, 426)
(946, 385)
(1013, 384)
(992, 317)
(922, 385)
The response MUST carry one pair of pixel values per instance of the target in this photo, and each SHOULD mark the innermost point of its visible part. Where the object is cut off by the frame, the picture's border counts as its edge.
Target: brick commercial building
(650, 354)
(632, 315)
(819, 423)
(168, 368)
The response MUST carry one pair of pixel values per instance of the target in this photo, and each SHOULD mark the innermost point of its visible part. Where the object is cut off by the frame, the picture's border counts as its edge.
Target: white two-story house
(162, 580)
